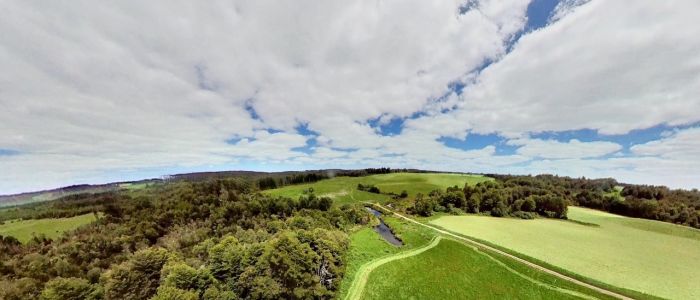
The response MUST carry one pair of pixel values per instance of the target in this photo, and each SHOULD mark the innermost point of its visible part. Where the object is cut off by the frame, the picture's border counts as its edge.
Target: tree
(172, 293)
(455, 198)
(500, 209)
(225, 259)
(137, 278)
(180, 275)
(473, 203)
(424, 206)
(69, 288)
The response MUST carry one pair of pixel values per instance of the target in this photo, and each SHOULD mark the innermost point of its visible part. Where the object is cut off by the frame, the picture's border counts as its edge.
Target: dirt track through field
(520, 260)
(360, 280)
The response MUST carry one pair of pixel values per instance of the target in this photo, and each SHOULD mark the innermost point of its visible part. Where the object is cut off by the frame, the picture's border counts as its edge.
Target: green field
(657, 258)
(23, 230)
(446, 270)
(452, 270)
(344, 189)
(366, 245)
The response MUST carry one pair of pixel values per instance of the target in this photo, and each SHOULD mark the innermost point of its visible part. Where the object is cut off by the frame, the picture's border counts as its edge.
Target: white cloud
(682, 145)
(557, 150)
(613, 66)
(93, 91)
(129, 85)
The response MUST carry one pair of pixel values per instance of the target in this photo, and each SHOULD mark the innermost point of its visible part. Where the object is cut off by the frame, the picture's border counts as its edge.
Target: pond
(384, 230)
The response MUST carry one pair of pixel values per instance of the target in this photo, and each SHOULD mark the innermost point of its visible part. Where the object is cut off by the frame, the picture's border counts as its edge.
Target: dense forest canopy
(215, 239)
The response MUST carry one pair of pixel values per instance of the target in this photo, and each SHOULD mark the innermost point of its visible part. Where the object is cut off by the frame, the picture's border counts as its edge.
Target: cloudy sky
(97, 92)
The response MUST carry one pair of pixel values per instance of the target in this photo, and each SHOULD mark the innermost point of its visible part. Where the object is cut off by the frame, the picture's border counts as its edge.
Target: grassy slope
(366, 245)
(452, 270)
(344, 189)
(52, 228)
(653, 257)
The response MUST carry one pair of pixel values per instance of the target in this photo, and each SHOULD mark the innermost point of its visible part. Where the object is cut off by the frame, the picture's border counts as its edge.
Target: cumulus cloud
(91, 93)
(611, 66)
(571, 149)
(683, 145)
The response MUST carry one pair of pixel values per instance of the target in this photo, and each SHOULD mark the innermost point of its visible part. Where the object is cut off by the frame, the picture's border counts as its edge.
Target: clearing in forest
(23, 230)
(344, 189)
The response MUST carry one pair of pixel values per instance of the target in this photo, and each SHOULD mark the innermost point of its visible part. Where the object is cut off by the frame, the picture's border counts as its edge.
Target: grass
(647, 256)
(344, 189)
(23, 230)
(452, 270)
(366, 245)
(369, 253)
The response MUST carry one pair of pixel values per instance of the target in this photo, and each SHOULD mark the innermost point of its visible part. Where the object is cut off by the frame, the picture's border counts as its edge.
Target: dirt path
(530, 264)
(360, 280)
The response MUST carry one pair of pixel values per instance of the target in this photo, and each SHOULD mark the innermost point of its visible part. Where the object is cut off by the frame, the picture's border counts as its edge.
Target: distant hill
(48, 195)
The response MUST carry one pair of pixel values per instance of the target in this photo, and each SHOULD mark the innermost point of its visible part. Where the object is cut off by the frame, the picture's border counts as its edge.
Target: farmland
(452, 270)
(657, 258)
(23, 230)
(344, 189)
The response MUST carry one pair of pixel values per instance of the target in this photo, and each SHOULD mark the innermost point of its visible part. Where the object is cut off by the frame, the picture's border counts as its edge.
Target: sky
(123, 90)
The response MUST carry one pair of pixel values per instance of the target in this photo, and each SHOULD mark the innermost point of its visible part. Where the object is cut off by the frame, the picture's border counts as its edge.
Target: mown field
(652, 257)
(23, 230)
(344, 189)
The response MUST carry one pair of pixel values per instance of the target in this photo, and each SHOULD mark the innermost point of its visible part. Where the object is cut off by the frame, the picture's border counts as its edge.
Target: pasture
(366, 246)
(344, 189)
(452, 270)
(652, 257)
(23, 230)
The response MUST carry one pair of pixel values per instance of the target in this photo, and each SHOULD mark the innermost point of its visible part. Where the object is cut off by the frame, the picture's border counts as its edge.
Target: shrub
(523, 215)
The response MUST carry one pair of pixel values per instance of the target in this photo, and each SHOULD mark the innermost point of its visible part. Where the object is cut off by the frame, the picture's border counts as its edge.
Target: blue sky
(573, 87)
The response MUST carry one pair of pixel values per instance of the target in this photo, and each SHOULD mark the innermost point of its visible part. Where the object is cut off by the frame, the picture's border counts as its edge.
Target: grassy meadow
(23, 230)
(366, 245)
(452, 270)
(652, 257)
(344, 189)
(447, 271)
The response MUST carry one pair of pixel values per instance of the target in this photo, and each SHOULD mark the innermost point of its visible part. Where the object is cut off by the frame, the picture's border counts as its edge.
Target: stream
(384, 230)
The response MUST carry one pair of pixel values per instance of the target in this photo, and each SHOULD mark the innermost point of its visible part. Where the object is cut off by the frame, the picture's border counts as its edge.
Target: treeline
(65, 207)
(648, 202)
(519, 197)
(214, 239)
(549, 196)
(375, 171)
(273, 182)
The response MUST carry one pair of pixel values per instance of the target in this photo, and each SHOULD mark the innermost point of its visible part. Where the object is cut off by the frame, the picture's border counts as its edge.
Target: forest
(548, 196)
(213, 239)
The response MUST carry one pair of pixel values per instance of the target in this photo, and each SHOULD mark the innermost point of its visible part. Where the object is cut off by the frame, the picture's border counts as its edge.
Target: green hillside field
(651, 257)
(452, 270)
(344, 189)
(23, 230)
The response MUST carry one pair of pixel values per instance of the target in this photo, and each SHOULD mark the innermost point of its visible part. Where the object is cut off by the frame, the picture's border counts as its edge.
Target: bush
(524, 215)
